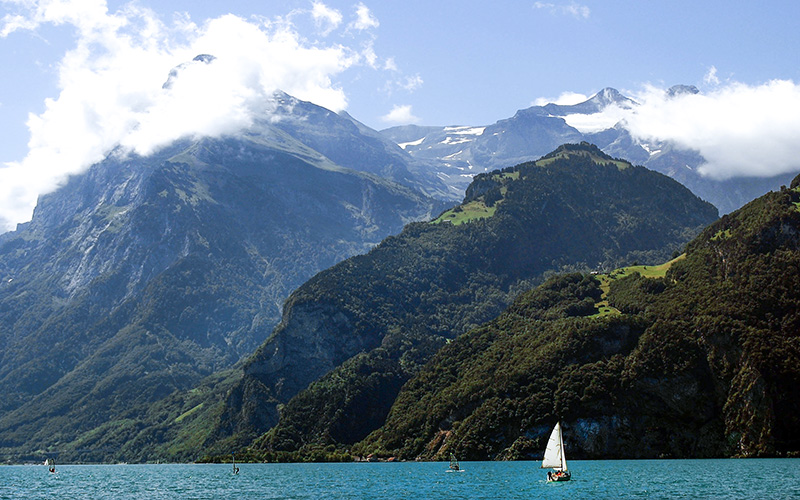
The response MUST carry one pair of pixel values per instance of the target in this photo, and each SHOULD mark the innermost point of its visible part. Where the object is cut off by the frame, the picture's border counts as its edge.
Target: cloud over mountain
(110, 83)
(741, 130)
(400, 114)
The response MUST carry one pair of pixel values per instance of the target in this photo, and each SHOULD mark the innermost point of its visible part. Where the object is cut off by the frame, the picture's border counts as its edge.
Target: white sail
(554, 453)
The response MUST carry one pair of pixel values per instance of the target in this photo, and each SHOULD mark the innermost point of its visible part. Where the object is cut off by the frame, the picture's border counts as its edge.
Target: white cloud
(402, 83)
(369, 55)
(565, 99)
(711, 77)
(412, 83)
(740, 130)
(578, 10)
(573, 9)
(364, 19)
(85, 15)
(596, 122)
(110, 85)
(400, 115)
(326, 18)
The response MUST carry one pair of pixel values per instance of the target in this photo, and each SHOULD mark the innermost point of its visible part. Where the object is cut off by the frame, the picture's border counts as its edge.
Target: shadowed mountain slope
(145, 274)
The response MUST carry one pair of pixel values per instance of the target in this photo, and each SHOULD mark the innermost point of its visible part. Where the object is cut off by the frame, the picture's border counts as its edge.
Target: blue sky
(78, 74)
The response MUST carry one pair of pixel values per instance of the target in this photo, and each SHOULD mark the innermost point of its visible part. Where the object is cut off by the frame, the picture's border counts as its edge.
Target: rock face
(145, 274)
(315, 338)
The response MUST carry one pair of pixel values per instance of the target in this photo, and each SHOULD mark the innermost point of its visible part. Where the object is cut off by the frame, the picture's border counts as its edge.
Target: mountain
(460, 152)
(349, 143)
(352, 335)
(599, 102)
(146, 274)
(695, 358)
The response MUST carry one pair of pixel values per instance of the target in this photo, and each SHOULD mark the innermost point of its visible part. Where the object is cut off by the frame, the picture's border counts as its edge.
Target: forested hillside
(700, 358)
(352, 335)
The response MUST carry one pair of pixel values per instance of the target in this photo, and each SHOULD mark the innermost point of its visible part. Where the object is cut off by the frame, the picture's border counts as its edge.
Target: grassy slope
(659, 271)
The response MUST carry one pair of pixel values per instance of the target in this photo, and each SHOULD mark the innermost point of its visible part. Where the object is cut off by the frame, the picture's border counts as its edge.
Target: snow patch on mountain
(404, 145)
(450, 141)
(649, 148)
(465, 130)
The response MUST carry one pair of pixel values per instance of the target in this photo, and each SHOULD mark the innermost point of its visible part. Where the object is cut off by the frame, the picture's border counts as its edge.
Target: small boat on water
(554, 457)
(235, 469)
(51, 464)
(454, 466)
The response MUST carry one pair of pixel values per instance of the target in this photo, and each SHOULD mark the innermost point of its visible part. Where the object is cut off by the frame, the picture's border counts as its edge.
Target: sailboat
(554, 457)
(51, 464)
(235, 469)
(454, 467)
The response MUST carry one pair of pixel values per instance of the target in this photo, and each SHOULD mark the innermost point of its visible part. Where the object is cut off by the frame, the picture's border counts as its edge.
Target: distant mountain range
(460, 152)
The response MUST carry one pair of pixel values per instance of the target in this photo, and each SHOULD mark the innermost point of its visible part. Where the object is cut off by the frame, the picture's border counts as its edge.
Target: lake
(606, 479)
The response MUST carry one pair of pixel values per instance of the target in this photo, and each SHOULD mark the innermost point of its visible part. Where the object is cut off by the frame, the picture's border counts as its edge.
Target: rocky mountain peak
(676, 90)
(609, 96)
(173, 73)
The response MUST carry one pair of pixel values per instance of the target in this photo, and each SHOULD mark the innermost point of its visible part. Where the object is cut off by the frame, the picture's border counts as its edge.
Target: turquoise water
(608, 479)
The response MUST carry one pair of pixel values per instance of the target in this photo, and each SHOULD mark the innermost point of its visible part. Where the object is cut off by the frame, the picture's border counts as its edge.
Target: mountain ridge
(367, 324)
(698, 359)
(146, 274)
(534, 131)
(153, 277)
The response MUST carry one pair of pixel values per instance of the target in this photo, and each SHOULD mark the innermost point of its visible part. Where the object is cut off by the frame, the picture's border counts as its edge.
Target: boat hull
(556, 478)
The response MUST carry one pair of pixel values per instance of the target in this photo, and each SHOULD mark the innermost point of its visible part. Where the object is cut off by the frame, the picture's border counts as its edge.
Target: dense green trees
(702, 362)
(394, 307)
